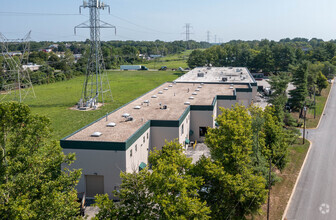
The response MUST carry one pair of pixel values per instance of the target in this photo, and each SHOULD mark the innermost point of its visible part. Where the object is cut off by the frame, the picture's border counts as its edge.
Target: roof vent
(125, 115)
(197, 90)
(194, 93)
(231, 87)
(160, 92)
(170, 86)
(147, 101)
(112, 124)
(202, 83)
(199, 86)
(187, 103)
(96, 134)
(191, 97)
(137, 107)
(165, 89)
(154, 96)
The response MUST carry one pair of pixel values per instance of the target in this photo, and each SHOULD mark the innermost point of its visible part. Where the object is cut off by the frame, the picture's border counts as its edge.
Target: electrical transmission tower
(96, 83)
(208, 36)
(187, 31)
(15, 83)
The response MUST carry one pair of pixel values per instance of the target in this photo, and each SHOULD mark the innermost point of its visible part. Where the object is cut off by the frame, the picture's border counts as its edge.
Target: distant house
(48, 50)
(53, 46)
(31, 66)
(77, 57)
(14, 54)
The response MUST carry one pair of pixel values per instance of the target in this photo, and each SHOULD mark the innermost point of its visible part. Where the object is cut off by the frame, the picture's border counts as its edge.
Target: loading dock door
(94, 185)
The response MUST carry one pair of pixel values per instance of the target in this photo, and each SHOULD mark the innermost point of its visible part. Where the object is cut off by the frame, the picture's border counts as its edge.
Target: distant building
(181, 110)
(48, 50)
(53, 46)
(32, 67)
(155, 56)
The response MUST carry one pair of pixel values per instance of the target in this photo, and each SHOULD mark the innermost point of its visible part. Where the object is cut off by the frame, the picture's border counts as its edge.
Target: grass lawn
(54, 100)
(320, 103)
(282, 190)
(171, 61)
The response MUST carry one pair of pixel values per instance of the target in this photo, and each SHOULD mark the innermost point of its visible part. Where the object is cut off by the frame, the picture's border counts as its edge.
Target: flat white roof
(218, 75)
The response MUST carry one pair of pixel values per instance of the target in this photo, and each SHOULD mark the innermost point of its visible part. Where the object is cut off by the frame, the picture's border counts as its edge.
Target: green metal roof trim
(137, 134)
(184, 115)
(164, 123)
(202, 107)
(93, 145)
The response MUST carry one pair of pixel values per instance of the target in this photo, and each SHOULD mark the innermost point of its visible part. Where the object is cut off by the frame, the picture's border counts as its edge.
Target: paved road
(315, 195)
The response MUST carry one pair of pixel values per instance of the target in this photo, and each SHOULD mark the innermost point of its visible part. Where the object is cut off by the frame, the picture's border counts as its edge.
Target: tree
(300, 93)
(169, 191)
(196, 59)
(32, 185)
(321, 82)
(276, 145)
(278, 97)
(230, 188)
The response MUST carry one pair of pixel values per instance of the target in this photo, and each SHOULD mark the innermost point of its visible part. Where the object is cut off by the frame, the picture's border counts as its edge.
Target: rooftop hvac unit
(224, 79)
(200, 74)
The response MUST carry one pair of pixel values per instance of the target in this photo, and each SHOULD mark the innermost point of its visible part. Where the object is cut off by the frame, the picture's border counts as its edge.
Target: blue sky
(164, 19)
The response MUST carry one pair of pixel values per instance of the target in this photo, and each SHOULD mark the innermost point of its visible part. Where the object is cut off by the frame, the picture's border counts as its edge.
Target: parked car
(163, 68)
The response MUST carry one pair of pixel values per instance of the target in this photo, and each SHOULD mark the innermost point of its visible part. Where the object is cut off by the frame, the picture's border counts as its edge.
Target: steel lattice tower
(96, 83)
(15, 79)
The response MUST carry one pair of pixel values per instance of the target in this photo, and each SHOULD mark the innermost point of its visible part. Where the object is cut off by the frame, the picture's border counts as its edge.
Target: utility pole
(314, 103)
(208, 36)
(269, 187)
(96, 82)
(304, 123)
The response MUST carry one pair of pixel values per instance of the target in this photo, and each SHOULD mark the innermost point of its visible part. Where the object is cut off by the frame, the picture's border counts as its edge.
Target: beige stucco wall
(160, 134)
(186, 128)
(99, 162)
(200, 119)
(140, 155)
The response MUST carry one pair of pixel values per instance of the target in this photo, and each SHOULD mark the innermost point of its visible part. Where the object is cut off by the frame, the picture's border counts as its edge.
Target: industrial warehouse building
(182, 110)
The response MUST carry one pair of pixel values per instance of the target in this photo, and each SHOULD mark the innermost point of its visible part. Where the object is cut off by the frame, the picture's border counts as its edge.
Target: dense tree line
(231, 184)
(267, 56)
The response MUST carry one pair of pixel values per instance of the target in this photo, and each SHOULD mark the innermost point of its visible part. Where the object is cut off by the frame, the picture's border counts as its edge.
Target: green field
(55, 100)
(171, 61)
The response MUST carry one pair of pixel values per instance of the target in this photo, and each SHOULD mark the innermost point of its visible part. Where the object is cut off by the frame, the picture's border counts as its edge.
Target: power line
(36, 14)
